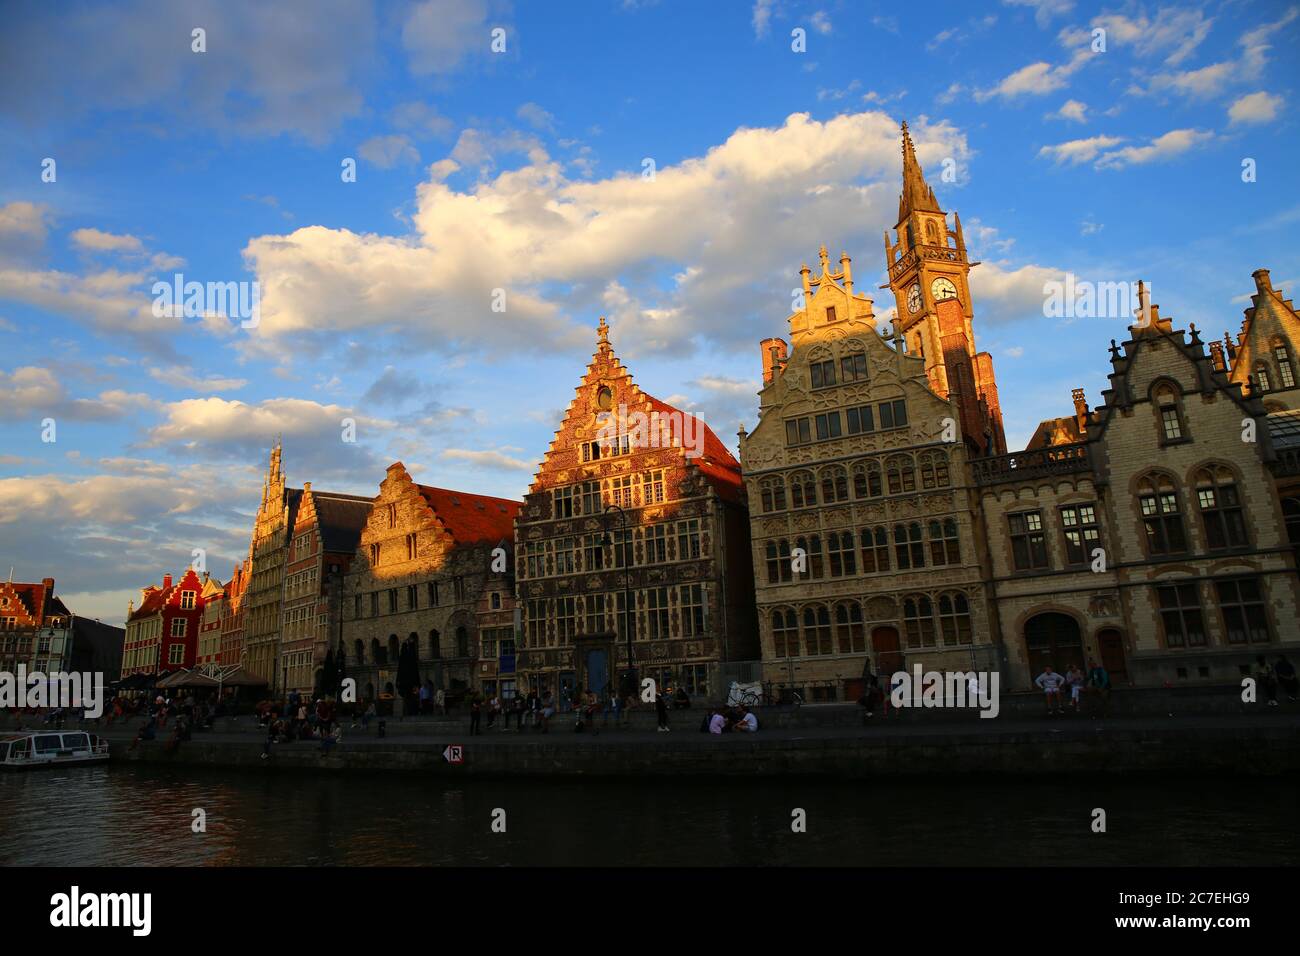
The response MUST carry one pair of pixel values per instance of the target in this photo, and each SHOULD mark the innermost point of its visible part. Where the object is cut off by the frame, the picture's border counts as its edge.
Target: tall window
(772, 491)
(849, 632)
(410, 547)
(688, 539)
(918, 621)
(785, 633)
(1081, 532)
(392, 600)
(1168, 408)
(1285, 373)
(537, 622)
(893, 414)
(412, 597)
(817, 630)
(803, 490)
(875, 550)
(954, 618)
(563, 502)
(944, 546)
(690, 600)
(1180, 615)
(823, 373)
(534, 560)
(652, 487)
(828, 425)
(392, 516)
(1220, 504)
(622, 539)
(853, 368)
(835, 484)
(860, 420)
(178, 626)
(1242, 606)
(778, 562)
(866, 479)
(909, 550)
(1158, 502)
(594, 605)
(839, 547)
(374, 555)
(656, 544)
(812, 547)
(566, 619)
(566, 553)
(1261, 378)
(593, 552)
(901, 473)
(1028, 544)
(798, 431)
(187, 600)
(656, 605)
(934, 470)
(591, 503)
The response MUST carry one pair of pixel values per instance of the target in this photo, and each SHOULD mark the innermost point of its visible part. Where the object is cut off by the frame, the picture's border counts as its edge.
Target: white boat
(31, 749)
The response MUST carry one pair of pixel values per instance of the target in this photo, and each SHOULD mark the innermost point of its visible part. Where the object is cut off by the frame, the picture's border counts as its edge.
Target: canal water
(135, 815)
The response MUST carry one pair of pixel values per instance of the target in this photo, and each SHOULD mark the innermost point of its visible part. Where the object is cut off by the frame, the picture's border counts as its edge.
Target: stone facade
(632, 498)
(421, 565)
(263, 601)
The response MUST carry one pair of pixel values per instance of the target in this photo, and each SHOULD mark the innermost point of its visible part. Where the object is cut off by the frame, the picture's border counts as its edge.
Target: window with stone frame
(875, 549)
(934, 469)
(179, 626)
(562, 502)
(1181, 619)
(944, 545)
(812, 548)
(1286, 371)
(798, 431)
(688, 539)
(432, 588)
(1028, 540)
(909, 549)
(859, 420)
(901, 473)
(391, 511)
(356, 607)
(954, 619)
(656, 544)
(835, 484)
(1081, 532)
(536, 622)
(656, 612)
(566, 620)
(822, 373)
(772, 494)
(594, 608)
(867, 481)
(828, 425)
(778, 562)
(785, 633)
(1162, 518)
(374, 603)
(392, 600)
(849, 630)
(892, 414)
(691, 609)
(620, 491)
(534, 559)
(853, 367)
(176, 654)
(918, 621)
(1245, 618)
(1169, 411)
(841, 553)
(1220, 505)
(803, 490)
(817, 630)
(458, 587)
(1261, 377)
(187, 600)
(374, 555)
(566, 555)
(412, 597)
(590, 499)
(593, 552)
(652, 487)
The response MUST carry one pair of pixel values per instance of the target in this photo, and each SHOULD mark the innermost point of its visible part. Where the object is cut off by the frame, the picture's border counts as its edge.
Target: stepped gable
(716, 463)
(338, 517)
(1270, 317)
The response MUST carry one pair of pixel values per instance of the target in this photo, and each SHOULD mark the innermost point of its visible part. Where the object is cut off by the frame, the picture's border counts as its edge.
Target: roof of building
(472, 519)
(340, 519)
(1284, 428)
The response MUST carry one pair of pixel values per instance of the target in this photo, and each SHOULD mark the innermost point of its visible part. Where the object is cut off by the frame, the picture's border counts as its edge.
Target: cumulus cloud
(36, 392)
(95, 240)
(690, 256)
(1213, 79)
(386, 152)
(1044, 10)
(1258, 107)
(1036, 79)
(1162, 148)
(439, 35)
(1073, 110)
(1078, 151)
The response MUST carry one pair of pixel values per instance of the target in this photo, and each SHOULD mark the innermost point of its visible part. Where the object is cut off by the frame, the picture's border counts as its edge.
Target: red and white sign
(454, 753)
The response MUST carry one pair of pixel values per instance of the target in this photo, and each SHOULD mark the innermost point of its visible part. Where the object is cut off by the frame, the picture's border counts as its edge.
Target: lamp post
(627, 597)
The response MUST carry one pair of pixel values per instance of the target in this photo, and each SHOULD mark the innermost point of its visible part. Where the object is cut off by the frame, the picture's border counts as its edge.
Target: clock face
(914, 297)
(942, 289)
(604, 398)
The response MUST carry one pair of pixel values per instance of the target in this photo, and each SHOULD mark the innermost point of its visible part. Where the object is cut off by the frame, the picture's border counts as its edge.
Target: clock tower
(929, 276)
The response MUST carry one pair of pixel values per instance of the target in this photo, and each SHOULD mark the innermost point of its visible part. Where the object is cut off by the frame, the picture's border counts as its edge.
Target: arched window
(849, 632)
(1220, 504)
(866, 479)
(1285, 372)
(377, 653)
(909, 550)
(785, 633)
(462, 642)
(901, 473)
(435, 644)
(1261, 377)
(839, 546)
(932, 232)
(817, 630)
(934, 470)
(1158, 502)
(812, 547)
(944, 547)
(1169, 410)
(778, 562)
(918, 621)
(875, 550)
(803, 490)
(954, 618)
(773, 494)
(835, 484)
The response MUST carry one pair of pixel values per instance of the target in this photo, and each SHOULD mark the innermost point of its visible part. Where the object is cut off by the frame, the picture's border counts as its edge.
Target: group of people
(1052, 683)
(1271, 677)
(723, 720)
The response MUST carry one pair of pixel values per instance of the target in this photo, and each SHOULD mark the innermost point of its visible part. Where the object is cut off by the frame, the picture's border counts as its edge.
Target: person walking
(475, 715)
(661, 711)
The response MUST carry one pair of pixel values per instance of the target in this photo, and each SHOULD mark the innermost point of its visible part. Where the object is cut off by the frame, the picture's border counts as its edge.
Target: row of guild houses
(874, 518)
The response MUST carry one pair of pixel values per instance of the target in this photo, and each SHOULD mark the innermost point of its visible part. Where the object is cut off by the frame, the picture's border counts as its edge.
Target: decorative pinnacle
(602, 332)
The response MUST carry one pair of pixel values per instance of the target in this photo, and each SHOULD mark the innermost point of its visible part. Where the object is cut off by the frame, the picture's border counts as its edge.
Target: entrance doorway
(597, 670)
(1053, 639)
(1110, 643)
(889, 659)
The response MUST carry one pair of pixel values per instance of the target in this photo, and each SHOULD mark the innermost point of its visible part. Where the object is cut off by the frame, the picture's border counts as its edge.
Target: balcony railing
(924, 251)
(1055, 460)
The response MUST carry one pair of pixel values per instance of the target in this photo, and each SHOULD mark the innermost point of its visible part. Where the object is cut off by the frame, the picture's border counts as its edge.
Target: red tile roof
(716, 463)
(472, 519)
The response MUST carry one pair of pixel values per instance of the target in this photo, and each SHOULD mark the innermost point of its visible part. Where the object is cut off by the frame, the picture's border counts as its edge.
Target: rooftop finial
(602, 332)
(825, 259)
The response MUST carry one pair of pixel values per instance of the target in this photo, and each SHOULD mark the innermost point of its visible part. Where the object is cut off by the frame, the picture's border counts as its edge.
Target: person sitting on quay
(148, 731)
(548, 710)
(1051, 682)
(717, 722)
(681, 699)
(329, 741)
(1075, 678)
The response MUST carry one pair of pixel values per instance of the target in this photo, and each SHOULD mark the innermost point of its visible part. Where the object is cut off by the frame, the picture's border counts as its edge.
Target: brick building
(214, 600)
(35, 627)
(421, 565)
(162, 634)
(232, 615)
(633, 498)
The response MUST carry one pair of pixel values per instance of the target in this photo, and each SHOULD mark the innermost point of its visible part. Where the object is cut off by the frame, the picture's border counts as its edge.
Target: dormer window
(187, 600)
(1285, 373)
(1261, 377)
(1169, 411)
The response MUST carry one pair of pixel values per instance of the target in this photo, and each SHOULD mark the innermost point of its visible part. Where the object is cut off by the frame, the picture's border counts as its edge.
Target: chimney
(1262, 282)
(1080, 409)
(49, 585)
(167, 581)
(1216, 356)
(774, 355)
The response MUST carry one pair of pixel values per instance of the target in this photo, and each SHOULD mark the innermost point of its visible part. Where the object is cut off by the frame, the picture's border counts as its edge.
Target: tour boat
(24, 751)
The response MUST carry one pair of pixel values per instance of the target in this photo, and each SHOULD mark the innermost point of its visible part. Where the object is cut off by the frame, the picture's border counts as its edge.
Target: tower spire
(916, 194)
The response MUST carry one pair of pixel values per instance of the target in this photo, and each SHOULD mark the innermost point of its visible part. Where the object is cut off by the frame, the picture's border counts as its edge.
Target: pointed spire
(916, 194)
(825, 258)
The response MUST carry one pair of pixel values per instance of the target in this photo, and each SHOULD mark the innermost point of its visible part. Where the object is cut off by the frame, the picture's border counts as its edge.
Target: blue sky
(523, 170)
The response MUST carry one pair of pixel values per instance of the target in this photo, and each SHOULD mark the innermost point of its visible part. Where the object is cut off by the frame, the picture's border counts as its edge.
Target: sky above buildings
(520, 170)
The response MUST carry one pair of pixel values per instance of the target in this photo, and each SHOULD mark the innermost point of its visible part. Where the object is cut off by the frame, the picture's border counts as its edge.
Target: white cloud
(1179, 31)
(761, 17)
(420, 120)
(1036, 79)
(1079, 150)
(34, 391)
(388, 151)
(439, 35)
(1044, 10)
(821, 22)
(1213, 79)
(94, 240)
(535, 116)
(185, 378)
(1074, 110)
(23, 222)
(1258, 107)
(1164, 147)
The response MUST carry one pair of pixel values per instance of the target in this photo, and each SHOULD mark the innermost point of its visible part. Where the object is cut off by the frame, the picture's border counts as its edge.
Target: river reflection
(141, 816)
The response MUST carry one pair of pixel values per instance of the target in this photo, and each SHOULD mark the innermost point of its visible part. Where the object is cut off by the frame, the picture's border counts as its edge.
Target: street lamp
(627, 597)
